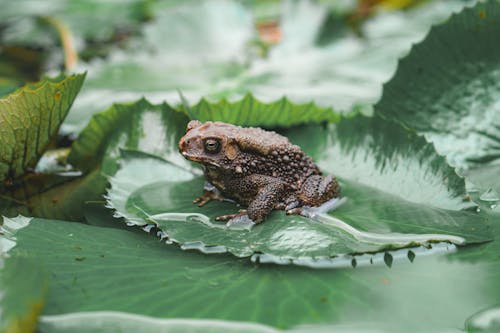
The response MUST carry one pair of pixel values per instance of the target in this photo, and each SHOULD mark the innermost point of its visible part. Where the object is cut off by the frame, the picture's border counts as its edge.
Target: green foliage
(410, 231)
(204, 51)
(104, 269)
(249, 111)
(23, 288)
(128, 126)
(156, 129)
(447, 89)
(147, 190)
(94, 20)
(30, 118)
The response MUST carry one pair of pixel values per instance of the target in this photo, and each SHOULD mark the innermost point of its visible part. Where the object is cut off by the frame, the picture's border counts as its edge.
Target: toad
(259, 169)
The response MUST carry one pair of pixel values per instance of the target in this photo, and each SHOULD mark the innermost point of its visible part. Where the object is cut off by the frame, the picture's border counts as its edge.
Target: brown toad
(259, 169)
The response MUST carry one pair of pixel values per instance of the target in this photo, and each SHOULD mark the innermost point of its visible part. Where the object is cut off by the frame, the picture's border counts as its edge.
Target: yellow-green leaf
(30, 118)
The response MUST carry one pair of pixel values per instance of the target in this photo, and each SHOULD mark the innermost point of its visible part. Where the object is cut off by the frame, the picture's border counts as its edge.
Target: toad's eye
(212, 146)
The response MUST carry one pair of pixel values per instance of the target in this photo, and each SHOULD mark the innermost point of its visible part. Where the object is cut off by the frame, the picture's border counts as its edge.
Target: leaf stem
(70, 53)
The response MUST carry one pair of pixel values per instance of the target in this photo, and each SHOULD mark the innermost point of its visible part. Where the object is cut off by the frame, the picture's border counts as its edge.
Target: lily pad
(448, 90)
(395, 184)
(376, 216)
(23, 288)
(30, 118)
(146, 277)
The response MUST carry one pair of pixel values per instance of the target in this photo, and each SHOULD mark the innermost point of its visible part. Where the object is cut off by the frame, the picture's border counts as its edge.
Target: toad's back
(271, 154)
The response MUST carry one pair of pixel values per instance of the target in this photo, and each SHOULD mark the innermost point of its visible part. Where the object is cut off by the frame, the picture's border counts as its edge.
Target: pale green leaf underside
(203, 51)
(30, 118)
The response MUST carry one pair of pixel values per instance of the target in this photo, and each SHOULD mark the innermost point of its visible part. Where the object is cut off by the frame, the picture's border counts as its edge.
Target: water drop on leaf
(411, 255)
(388, 259)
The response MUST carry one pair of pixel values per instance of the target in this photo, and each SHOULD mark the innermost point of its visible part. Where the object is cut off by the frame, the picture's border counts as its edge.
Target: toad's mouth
(199, 159)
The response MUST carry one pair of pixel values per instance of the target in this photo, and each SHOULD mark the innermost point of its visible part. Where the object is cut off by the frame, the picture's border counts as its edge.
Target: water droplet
(242, 222)
(148, 227)
(255, 258)
(490, 196)
(213, 249)
(388, 259)
(162, 234)
(192, 246)
(411, 255)
(330, 205)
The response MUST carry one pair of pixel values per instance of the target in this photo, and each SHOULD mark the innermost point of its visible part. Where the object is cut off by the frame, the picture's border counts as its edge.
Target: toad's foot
(207, 197)
(231, 216)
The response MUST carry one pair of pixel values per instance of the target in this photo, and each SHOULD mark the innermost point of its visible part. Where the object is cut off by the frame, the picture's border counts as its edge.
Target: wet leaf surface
(147, 277)
(23, 289)
(448, 89)
(382, 208)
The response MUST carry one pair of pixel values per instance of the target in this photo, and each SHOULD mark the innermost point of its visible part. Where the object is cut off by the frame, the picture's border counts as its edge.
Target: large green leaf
(30, 118)
(203, 50)
(23, 287)
(105, 269)
(394, 182)
(399, 193)
(448, 89)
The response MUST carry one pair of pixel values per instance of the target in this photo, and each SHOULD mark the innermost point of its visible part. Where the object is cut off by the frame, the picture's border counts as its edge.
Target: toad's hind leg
(265, 200)
(318, 189)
